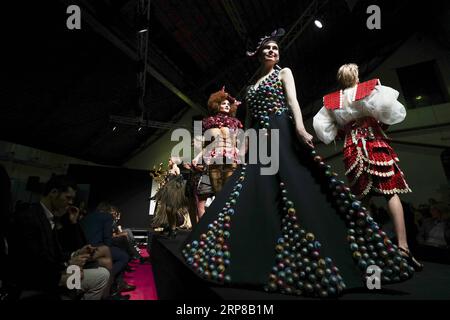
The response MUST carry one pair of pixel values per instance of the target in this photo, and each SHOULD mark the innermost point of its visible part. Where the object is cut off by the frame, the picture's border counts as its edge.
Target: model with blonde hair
(360, 111)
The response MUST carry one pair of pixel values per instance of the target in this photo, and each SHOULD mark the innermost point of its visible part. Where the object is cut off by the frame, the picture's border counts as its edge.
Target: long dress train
(300, 231)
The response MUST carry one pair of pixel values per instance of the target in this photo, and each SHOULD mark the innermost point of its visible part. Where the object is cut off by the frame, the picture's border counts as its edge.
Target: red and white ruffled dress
(370, 162)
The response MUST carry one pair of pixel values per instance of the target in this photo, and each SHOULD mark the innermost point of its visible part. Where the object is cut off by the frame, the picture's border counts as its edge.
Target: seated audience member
(418, 215)
(37, 264)
(97, 227)
(433, 230)
(124, 238)
(434, 235)
(72, 238)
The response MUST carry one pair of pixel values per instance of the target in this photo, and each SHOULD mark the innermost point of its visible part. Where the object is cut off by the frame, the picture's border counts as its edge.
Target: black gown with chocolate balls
(300, 231)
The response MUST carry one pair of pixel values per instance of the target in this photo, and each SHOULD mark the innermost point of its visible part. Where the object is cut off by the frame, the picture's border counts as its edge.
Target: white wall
(422, 166)
(161, 149)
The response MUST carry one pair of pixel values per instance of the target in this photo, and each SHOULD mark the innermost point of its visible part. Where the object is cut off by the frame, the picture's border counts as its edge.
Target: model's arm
(291, 97)
(325, 125)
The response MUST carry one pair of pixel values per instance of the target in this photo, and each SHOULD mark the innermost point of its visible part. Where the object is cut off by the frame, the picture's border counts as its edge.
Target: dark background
(126, 189)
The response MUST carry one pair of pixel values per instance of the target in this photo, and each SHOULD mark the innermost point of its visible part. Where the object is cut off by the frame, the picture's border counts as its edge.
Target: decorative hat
(274, 36)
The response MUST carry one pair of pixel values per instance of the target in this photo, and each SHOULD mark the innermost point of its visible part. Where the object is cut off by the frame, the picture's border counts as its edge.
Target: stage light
(114, 128)
(419, 98)
(142, 24)
(318, 24)
(140, 129)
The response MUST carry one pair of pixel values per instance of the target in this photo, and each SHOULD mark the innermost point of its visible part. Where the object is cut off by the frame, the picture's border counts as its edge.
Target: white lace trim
(380, 174)
(353, 166)
(379, 163)
(393, 191)
(360, 158)
(368, 187)
(358, 174)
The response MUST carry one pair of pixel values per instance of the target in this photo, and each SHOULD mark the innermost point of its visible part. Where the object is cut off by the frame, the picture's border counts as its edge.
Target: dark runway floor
(433, 283)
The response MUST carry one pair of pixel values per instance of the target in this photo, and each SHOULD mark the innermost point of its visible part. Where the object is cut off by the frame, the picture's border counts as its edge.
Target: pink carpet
(142, 278)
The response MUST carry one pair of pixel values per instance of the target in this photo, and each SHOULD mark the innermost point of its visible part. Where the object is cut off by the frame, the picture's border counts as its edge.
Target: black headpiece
(274, 36)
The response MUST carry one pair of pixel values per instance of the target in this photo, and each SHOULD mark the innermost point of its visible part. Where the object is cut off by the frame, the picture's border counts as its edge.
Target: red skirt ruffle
(370, 162)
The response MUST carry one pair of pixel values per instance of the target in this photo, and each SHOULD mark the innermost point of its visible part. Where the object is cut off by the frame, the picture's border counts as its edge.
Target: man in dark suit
(37, 263)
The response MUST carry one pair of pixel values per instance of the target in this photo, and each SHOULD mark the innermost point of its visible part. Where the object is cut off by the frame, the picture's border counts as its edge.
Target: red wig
(216, 99)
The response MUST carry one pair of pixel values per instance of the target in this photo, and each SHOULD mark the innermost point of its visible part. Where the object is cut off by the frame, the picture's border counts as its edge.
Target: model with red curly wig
(221, 155)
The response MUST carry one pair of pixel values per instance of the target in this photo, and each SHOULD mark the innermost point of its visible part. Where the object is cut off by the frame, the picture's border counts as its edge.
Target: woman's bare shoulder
(285, 70)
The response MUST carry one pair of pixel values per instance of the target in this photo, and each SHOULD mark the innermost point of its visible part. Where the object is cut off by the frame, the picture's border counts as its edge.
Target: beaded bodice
(268, 98)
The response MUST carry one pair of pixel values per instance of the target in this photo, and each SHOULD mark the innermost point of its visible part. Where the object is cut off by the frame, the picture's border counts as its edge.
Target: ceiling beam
(302, 23)
(131, 52)
(236, 19)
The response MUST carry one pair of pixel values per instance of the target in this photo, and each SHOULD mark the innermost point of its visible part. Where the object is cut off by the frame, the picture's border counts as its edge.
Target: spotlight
(142, 24)
(114, 128)
(419, 98)
(140, 129)
(318, 24)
